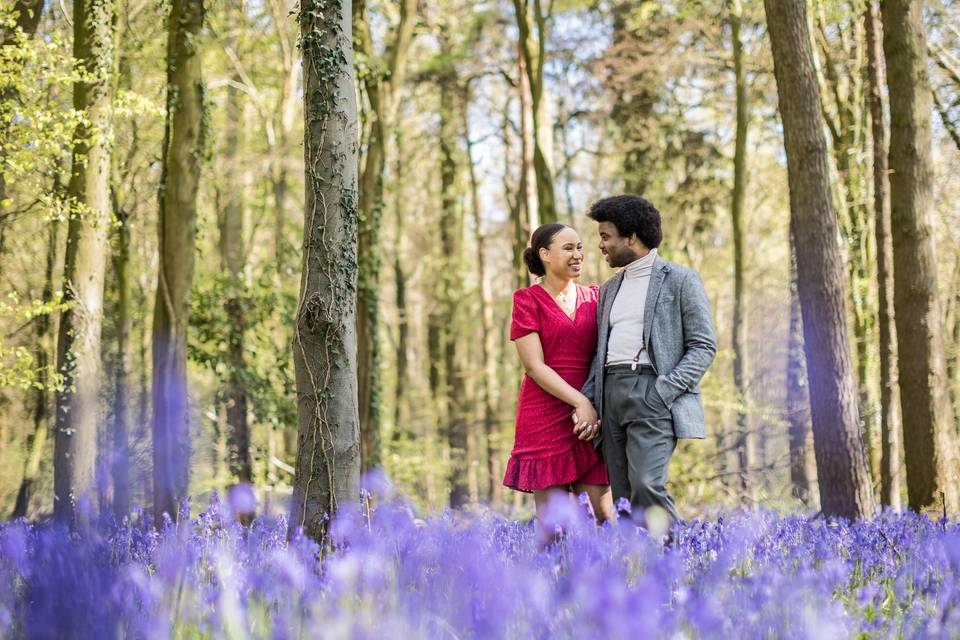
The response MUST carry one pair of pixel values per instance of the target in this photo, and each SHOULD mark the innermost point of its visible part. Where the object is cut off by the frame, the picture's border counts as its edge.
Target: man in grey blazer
(655, 342)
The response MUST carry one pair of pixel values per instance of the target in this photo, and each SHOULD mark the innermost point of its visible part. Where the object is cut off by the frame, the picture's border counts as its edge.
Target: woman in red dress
(554, 326)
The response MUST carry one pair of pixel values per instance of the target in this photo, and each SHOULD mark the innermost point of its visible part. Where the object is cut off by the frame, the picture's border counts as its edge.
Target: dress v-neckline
(576, 302)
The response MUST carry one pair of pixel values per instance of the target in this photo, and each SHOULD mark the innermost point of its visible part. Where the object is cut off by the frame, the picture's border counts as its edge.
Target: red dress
(546, 453)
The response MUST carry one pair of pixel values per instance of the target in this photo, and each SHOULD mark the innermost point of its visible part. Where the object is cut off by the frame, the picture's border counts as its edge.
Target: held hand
(586, 423)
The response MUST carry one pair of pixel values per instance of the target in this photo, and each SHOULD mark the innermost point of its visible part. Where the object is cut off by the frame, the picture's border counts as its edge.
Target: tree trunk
(451, 287)
(889, 391)
(232, 263)
(400, 412)
(324, 345)
(800, 435)
(532, 49)
(845, 486)
(120, 429)
(382, 89)
(78, 344)
(183, 149)
(929, 434)
(487, 335)
(524, 209)
(845, 85)
(745, 445)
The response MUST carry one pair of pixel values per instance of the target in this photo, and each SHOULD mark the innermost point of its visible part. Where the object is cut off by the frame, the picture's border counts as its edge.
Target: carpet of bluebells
(393, 573)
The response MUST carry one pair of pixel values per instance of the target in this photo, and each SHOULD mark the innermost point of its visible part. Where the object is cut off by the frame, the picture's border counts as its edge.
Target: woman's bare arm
(531, 355)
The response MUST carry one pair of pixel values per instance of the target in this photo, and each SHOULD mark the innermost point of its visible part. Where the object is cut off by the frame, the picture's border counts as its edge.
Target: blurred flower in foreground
(392, 572)
(242, 500)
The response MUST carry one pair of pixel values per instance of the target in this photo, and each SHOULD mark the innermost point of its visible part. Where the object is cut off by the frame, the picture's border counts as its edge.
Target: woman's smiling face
(564, 256)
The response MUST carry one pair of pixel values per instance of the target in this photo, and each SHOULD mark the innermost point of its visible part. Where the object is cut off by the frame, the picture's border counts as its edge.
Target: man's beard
(622, 257)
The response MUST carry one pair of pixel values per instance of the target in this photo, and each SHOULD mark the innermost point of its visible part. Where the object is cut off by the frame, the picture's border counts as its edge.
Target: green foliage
(18, 365)
(36, 126)
(267, 375)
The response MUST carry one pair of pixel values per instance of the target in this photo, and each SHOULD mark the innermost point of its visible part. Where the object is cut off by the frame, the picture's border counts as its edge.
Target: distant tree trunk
(845, 486)
(120, 429)
(487, 334)
(286, 112)
(532, 55)
(37, 441)
(800, 435)
(78, 344)
(928, 428)
(523, 211)
(451, 288)
(400, 413)
(324, 346)
(183, 149)
(232, 263)
(746, 455)
(889, 391)
(382, 88)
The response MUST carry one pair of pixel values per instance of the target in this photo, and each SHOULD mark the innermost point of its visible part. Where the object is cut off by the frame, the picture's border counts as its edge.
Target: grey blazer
(679, 337)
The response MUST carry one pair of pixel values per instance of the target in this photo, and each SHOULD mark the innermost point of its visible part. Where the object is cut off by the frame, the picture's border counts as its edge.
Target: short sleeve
(525, 319)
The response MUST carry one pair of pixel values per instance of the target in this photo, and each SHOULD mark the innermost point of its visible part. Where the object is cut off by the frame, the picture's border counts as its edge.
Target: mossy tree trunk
(845, 486)
(184, 144)
(929, 433)
(324, 345)
(78, 344)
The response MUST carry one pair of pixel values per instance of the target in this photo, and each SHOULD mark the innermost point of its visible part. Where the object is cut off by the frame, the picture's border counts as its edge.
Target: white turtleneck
(626, 316)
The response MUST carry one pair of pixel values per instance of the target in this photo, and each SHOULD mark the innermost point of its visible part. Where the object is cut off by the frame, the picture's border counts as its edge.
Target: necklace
(564, 300)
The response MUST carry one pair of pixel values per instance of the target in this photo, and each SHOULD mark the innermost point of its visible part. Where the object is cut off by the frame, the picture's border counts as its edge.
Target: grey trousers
(638, 439)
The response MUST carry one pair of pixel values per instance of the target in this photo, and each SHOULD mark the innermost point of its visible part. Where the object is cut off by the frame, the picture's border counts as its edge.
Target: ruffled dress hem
(580, 464)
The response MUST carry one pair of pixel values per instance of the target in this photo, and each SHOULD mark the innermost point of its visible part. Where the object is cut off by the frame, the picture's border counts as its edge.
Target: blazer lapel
(657, 274)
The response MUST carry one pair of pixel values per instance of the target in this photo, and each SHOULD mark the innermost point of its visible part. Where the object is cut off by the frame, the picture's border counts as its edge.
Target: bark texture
(78, 343)
(324, 346)
(929, 432)
(845, 486)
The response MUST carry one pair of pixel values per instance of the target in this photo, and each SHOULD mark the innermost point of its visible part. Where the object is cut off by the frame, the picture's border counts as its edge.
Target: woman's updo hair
(540, 239)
